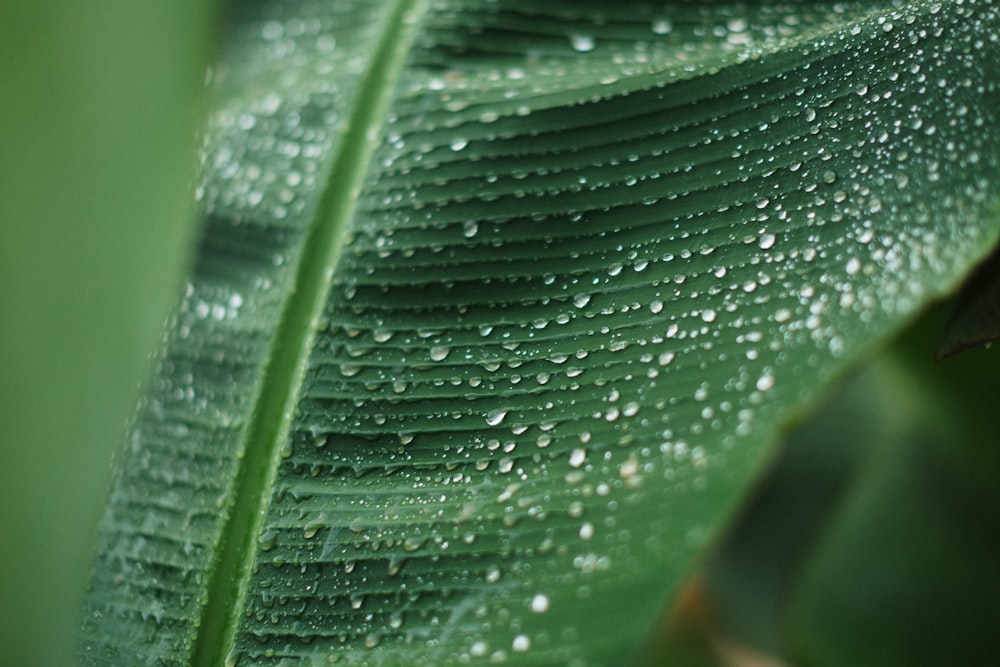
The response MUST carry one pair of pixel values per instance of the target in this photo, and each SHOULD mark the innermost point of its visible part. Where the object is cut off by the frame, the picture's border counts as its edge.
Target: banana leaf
(499, 307)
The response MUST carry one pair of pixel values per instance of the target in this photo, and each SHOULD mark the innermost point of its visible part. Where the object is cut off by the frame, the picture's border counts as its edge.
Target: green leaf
(100, 102)
(499, 305)
(976, 320)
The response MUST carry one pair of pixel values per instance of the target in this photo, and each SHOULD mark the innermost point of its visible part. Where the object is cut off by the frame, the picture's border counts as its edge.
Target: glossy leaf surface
(498, 305)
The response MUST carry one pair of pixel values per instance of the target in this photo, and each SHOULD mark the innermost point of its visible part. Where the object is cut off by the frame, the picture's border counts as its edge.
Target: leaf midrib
(230, 571)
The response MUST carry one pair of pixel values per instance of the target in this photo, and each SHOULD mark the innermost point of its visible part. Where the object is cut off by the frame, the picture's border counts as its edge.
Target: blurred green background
(98, 110)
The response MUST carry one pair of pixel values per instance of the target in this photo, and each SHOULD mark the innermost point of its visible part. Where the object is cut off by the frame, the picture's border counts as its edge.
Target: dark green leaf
(908, 573)
(976, 320)
(499, 303)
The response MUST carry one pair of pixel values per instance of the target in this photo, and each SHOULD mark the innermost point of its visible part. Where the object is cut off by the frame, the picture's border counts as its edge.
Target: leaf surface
(499, 304)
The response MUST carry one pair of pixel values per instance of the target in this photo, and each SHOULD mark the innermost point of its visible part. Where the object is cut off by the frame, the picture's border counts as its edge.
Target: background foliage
(98, 108)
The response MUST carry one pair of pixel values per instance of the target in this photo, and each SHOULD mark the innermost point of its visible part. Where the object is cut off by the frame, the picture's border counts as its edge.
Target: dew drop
(582, 43)
(495, 417)
(662, 26)
(765, 382)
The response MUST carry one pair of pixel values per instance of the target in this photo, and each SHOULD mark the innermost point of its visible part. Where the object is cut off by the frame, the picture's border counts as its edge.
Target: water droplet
(521, 644)
(662, 26)
(765, 382)
(495, 417)
(439, 352)
(577, 457)
(539, 603)
(582, 43)
(458, 144)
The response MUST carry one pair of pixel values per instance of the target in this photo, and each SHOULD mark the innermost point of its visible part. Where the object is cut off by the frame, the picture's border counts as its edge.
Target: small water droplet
(582, 43)
(662, 26)
(765, 382)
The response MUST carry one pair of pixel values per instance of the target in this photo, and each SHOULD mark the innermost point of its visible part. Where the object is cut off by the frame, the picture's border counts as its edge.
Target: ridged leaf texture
(498, 306)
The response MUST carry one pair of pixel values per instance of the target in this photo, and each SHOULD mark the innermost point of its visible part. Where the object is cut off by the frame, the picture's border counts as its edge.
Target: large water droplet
(495, 417)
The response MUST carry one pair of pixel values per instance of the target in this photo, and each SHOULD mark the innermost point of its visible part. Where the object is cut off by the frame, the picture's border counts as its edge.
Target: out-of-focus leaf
(875, 539)
(976, 320)
(910, 574)
(98, 107)
(498, 304)
(757, 564)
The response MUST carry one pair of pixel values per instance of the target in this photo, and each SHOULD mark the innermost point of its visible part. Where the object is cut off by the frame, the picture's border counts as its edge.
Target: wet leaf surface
(499, 306)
